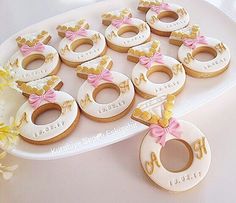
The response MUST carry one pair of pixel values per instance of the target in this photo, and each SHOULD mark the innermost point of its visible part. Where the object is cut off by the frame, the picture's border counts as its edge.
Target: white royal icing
(112, 36)
(15, 65)
(143, 84)
(177, 181)
(35, 132)
(181, 22)
(96, 50)
(206, 67)
(105, 111)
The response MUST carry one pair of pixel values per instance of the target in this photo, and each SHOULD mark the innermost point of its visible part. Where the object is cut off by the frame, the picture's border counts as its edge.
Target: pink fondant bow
(162, 6)
(26, 50)
(147, 62)
(95, 79)
(118, 22)
(72, 35)
(36, 100)
(160, 133)
(192, 43)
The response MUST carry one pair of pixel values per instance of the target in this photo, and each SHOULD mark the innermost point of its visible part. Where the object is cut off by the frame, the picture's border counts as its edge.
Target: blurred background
(14, 15)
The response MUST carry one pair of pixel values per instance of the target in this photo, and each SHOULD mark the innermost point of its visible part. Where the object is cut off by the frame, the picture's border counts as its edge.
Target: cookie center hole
(82, 45)
(106, 93)
(46, 114)
(159, 74)
(204, 54)
(33, 62)
(128, 31)
(168, 16)
(176, 156)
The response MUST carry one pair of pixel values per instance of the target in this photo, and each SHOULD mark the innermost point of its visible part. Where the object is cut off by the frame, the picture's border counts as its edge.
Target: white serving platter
(90, 135)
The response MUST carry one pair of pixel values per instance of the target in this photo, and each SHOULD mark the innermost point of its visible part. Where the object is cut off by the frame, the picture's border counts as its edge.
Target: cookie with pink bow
(74, 34)
(157, 10)
(99, 76)
(190, 47)
(42, 97)
(33, 47)
(149, 60)
(120, 23)
(163, 130)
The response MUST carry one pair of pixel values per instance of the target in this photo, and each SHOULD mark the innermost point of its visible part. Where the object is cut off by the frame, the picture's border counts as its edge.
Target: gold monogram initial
(66, 48)
(200, 147)
(110, 36)
(177, 68)
(15, 63)
(150, 165)
(142, 27)
(188, 58)
(139, 80)
(49, 58)
(85, 102)
(24, 119)
(220, 47)
(66, 106)
(124, 86)
(96, 37)
(153, 19)
(181, 12)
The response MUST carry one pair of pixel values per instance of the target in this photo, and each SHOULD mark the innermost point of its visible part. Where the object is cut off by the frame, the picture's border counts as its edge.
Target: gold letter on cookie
(150, 165)
(200, 147)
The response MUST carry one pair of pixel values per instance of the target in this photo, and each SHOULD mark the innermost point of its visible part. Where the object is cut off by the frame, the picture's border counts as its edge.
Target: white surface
(83, 139)
(89, 177)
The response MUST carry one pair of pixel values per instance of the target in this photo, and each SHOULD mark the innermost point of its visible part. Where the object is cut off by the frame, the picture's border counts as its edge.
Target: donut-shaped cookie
(156, 12)
(111, 111)
(33, 49)
(158, 63)
(76, 34)
(204, 69)
(198, 147)
(126, 24)
(54, 131)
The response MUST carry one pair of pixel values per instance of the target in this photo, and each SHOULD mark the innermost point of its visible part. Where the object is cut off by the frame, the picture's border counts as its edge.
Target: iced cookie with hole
(163, 128)
(161, 10)
(32, 47)
(157, 62)
(40, 102)
(124, 24)
(204, 69)
(76, 33)
(98, 81)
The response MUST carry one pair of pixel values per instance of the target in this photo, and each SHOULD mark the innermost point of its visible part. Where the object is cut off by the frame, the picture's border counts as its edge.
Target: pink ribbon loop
(95, 79)
(160, 133)
(162, 6)
(36, 100)
(118, 22)
(147, 62)
(192, 43)
(72, 35)
(26, 50)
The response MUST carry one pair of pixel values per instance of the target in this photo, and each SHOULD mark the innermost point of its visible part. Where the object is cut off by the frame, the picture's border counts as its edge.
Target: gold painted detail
(152, 164)
(199, 146)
